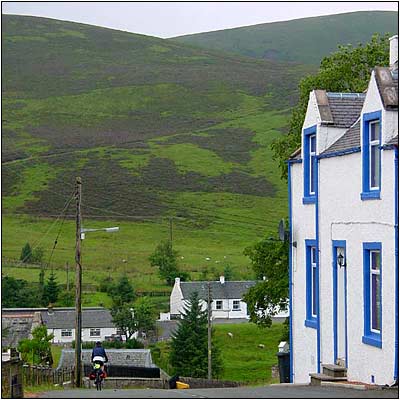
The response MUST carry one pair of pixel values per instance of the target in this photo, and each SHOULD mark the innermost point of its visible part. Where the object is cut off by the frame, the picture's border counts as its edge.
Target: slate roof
(387, 81)
(227, 290)
(349, 140)
(345, 108)
(65, 318)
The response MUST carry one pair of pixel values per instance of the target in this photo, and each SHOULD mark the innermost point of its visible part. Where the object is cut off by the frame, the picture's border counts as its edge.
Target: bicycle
(98, 375)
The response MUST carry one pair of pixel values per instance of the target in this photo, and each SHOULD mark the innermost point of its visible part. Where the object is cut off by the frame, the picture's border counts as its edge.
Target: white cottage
(226, 297)
(343, 214)
(97, 324)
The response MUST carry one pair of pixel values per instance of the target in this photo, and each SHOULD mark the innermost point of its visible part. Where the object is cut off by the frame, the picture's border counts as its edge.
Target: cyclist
(99, 355)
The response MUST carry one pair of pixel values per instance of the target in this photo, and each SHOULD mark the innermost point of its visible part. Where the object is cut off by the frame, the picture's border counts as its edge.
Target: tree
(26, 253)
(166, 259)
(123, 318)
(38, 349)
(136, 317)
(228, 272)
(189, 352)
(144, 314)
(18, 293)
(270, 262)
(346, 70)
(51, 290)
(122, 292)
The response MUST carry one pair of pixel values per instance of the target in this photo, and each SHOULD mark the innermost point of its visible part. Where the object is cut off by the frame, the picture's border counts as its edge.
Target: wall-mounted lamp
(341, 260)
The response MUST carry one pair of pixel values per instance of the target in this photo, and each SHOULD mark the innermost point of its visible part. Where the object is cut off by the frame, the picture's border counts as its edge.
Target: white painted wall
(85, 335)
(176, 298)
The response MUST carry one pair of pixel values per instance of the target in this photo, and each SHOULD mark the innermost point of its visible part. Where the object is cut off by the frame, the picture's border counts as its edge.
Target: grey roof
(349, 140)
(387, 81)
(227, 290)
(65, 318)
(345, 108)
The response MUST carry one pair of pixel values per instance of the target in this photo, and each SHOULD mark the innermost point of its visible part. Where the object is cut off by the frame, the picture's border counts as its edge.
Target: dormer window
(310, 164)
(371, 157)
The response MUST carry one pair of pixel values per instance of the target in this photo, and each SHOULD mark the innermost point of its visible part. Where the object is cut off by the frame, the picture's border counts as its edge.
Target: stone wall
(121, 383)
(132, 357)
(11, 379)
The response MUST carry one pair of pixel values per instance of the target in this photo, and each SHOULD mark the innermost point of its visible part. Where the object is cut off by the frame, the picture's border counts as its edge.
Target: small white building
(343, 214)
(226, 297)
(97, 324)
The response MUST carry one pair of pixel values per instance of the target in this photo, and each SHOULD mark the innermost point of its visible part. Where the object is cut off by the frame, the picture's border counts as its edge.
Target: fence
(35, 375)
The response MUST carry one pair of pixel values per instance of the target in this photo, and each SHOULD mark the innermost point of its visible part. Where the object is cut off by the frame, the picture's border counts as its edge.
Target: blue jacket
(99, 351)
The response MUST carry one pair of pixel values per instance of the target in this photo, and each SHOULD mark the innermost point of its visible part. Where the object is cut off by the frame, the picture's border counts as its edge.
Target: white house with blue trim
(343, 218)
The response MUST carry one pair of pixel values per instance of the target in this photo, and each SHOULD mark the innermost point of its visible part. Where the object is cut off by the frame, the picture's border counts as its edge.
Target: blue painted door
(340, 302)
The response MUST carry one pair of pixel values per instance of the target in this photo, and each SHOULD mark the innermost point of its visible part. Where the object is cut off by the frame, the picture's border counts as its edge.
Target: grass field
(243, 360)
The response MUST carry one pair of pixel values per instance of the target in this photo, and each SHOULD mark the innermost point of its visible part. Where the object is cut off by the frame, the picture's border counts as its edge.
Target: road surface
(259, 392)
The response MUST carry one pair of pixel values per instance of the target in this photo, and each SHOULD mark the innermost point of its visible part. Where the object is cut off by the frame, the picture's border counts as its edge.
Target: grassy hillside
(305, 40)
(242, 359)
(156, 129)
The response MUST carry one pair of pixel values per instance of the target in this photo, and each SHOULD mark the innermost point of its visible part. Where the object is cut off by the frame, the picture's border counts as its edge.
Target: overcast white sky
(164, 19)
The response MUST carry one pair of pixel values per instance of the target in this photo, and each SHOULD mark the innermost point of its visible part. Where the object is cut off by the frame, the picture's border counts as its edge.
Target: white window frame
(219, 303)
(236, 302)
(372, 144)
(312, 155)
(376, 272)
(313, 262)
(66, 332)
(95, 329)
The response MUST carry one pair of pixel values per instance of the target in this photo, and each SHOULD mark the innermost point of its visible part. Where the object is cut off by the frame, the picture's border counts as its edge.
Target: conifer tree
(51, 290)
(189, 344)
(26, 253)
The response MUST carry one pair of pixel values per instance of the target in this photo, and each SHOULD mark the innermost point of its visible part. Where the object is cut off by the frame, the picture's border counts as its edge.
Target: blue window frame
(371, 156)
(310, 164)
(311, 284)
(372, 294)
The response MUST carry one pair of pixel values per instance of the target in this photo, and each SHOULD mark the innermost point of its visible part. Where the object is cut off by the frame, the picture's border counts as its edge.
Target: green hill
(156, 129)
(305, 40)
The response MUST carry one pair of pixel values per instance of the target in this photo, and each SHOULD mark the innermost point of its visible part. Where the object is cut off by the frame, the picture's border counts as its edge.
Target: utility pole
(209, 374)
(67, 267)
(78, 288)
(170, 230)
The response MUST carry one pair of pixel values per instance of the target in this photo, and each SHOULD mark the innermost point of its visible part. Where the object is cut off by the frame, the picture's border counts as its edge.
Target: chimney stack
(394, 51)
(177, 281)
(222, 279)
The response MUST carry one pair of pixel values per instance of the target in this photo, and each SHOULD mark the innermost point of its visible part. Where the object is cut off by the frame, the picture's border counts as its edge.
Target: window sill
(311, 323)
(375, 195)
(309, 200)
(375, 341)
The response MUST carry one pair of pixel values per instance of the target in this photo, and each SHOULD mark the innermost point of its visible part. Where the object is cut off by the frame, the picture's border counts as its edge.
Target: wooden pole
(78, 288)
(209, 374)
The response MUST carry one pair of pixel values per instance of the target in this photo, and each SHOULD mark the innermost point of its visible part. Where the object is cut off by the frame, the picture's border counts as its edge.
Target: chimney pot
(394, 50)
(222, 279)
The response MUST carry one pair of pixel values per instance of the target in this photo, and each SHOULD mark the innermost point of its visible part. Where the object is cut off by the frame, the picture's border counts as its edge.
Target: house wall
(176, 298)
(85, 335)
(304, 339)
(358, 222)
(344, 216)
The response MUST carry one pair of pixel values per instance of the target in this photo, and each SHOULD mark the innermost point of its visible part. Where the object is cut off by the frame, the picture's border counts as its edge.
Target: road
(260, 392)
